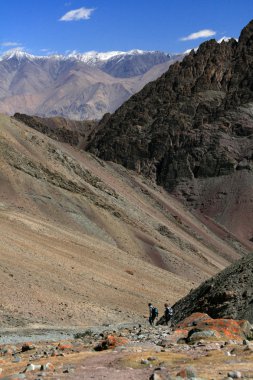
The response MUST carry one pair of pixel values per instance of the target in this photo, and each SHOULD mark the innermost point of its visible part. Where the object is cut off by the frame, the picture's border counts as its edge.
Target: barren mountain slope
(191, 131)
(86, 242)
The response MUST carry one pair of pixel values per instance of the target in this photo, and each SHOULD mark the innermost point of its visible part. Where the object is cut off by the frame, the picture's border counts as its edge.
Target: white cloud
(77, 14)
(9, 44)
(201, 34)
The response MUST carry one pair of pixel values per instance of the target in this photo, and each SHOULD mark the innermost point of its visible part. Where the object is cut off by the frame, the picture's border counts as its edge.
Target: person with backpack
(168, 313)
(153, 314)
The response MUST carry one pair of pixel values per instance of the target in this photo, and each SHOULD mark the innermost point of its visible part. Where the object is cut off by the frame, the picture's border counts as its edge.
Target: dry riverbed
(120, 352)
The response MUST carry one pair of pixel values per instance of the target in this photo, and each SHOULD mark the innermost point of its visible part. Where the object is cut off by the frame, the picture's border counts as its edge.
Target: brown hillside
(84, 242)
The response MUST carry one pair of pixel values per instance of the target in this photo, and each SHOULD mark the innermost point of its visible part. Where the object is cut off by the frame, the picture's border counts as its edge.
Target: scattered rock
(32, 367)
(187, 373)
(144, 361)
(160, 375)
(235, 374)
(152, 358)
(47, 367)
(65, 346)
(27, 347)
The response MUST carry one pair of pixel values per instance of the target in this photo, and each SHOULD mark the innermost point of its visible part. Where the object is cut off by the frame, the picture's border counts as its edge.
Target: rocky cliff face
(229, 294)
(191, 131)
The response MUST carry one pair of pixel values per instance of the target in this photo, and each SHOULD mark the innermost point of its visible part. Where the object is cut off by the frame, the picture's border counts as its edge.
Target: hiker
(168, 312)
(153, 314)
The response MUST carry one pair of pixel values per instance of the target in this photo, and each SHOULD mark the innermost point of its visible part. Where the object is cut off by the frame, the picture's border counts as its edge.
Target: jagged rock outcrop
(68, 131)
(227, 295)
(191, 131)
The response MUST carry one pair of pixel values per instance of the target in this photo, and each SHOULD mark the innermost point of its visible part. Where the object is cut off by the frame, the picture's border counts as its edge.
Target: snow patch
(90, 57)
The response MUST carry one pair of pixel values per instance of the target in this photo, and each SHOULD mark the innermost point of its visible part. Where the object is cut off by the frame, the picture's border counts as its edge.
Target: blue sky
(36, 25)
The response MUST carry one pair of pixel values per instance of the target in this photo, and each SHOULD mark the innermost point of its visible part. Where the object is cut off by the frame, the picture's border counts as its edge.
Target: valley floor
(136, 353)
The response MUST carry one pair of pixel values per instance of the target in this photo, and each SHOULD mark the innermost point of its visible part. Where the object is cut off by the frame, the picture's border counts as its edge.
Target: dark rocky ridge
(227, 295)
(64, 130)
(192, 130)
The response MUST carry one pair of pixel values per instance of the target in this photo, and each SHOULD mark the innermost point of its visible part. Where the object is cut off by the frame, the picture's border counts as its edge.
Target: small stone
(16, 359)
(152, 358)
(27, 347)
(144, 361)
(235, 374)
(47, 367)
(160, 375)
(68, 370)
(65, 346)
(32, 367)
(187, 373)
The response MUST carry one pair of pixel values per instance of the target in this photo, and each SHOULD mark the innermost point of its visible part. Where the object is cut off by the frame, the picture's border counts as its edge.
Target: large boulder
(201, 327)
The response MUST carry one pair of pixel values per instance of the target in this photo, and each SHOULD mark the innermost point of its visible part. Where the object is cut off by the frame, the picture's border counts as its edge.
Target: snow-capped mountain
(78, 86)
(93, 57)
(120, 64)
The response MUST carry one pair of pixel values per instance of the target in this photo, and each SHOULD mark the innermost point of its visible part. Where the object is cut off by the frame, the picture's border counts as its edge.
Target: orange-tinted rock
(65, 346)
(114, 341)
(201, 326)
(179, 336)
(111, 341)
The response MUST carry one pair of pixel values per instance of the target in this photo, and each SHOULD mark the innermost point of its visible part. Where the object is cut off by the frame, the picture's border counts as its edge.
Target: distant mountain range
(77, 86)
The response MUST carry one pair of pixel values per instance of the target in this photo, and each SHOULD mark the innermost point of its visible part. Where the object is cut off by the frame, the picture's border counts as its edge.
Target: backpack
(168, 312)
(154, 312)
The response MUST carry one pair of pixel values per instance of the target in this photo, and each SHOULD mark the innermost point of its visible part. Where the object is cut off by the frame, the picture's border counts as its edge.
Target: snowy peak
(22, 55)
(93, 57)
(120, 64)
(90, 57)
(16, 54)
